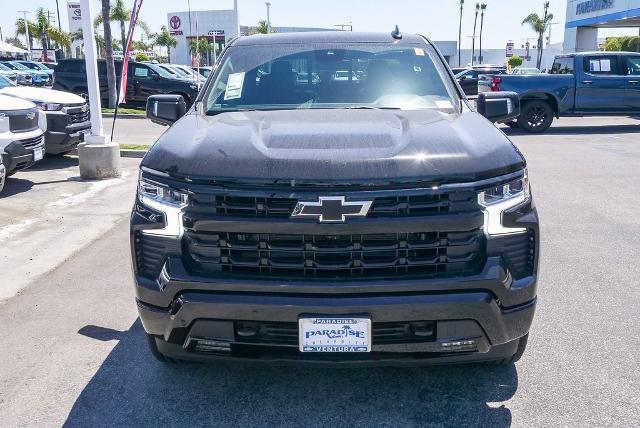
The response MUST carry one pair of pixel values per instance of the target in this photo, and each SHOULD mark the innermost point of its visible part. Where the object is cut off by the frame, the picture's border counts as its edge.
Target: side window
(141, 71)
(633, 66)
(562, 66)
(600, 65)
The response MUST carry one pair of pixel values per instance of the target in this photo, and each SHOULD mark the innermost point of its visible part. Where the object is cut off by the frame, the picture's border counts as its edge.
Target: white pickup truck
(22, 127)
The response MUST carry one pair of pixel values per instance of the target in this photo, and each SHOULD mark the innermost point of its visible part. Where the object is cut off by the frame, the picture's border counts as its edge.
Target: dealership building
(586, 17)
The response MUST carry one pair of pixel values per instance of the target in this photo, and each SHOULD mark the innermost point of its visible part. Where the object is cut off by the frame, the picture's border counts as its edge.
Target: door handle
(634, 82)
(587, 82)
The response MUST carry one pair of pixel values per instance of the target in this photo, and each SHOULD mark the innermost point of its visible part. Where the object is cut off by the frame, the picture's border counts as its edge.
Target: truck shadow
(577, 130)
(132, 389)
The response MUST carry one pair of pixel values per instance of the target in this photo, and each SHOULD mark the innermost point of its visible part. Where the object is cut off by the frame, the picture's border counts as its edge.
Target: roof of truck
(325, 37)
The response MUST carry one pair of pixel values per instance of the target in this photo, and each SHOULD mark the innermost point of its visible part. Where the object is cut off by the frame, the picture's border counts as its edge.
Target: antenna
(396, 34)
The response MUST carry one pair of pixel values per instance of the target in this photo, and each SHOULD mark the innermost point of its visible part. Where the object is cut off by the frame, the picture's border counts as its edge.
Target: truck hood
(9, 103)
(41, 95)
(331, 146)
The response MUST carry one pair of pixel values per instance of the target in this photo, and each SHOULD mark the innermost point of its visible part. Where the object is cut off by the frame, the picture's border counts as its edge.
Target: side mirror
(165, 109)
(499, 106)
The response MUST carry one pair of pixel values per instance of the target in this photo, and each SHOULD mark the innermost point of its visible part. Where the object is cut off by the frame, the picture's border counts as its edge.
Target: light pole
(98, 157)
(268, 17)
(551, 24)
(26, 29)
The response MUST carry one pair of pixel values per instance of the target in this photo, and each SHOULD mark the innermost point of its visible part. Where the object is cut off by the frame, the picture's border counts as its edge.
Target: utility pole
(268, 17)
(551, 24)
(58, 9)
(26, 28)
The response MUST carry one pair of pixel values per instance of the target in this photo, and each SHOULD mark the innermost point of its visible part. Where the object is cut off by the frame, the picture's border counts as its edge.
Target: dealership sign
(593, 6)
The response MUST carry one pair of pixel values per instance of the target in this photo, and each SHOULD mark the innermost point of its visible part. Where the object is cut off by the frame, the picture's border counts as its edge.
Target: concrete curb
(124, 116)
(127, 153)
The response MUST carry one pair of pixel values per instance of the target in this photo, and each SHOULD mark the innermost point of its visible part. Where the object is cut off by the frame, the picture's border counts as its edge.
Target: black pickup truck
(290, 215)
(582, 84)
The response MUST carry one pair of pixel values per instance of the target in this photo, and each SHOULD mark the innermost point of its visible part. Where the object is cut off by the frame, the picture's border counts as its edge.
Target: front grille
(286, 333)
(30, 143)
(76, 115)
(429, 254)
(23, 120)
(394, 206)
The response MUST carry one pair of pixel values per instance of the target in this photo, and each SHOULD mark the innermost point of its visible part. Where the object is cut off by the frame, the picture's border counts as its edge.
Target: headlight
(49, 106)
(166, 200)
(499, 199)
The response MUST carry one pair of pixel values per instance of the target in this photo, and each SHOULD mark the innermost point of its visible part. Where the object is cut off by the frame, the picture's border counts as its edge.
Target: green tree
(539, 24)
(108, 54)
(483, 8)
(164, 38)
(515, 61)
(142, 57)
(460, 34)
(473, 43)
(119, 13)
(43, 31)
(15, 42)
(262, 27)
(201, 47)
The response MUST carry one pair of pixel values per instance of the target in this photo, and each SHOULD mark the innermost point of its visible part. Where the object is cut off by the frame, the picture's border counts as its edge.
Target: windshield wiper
(370, 108)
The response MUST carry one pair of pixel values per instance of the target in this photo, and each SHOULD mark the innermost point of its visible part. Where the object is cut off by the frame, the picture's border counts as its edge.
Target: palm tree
(460, 35)
(164, 38)
(202, 48)
(79, 36)
(473, 43)
(262, 28)
(540, 26)
(121, 14)
(483, 8)
(42, 30)
(108, 54)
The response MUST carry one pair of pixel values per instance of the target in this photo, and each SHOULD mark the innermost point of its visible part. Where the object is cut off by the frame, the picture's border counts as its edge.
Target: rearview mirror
(499, 106)
(165, 109)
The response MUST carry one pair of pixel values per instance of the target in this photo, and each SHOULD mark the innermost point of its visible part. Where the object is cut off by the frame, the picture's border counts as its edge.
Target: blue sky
(437, 19)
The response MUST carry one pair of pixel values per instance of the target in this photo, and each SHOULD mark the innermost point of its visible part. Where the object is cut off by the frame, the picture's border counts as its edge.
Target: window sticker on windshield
(419, 51)
(605, 65)
(444, 104)
(594, 65)
(234, 86)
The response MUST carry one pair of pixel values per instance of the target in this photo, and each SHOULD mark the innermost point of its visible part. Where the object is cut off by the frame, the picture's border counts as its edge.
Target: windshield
(4, 67)
(17, 66)
(354, 75)
(34, 66)
(161, 71)
(181, 72)
(4, 82)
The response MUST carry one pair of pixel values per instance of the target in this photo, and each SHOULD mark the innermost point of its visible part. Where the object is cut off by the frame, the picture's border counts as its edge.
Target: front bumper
(19, 154)
(63, 135)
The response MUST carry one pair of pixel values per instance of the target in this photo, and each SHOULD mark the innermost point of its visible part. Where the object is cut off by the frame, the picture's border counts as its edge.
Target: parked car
(204, 71)
(22, 128)
(67, 115)
(580, 84)
(144, 80)
(38, 78)
(187, 72)
(38, 66)
(457, 70)
(526, 71)
(381, 220)
(469, 78)
(21, 77)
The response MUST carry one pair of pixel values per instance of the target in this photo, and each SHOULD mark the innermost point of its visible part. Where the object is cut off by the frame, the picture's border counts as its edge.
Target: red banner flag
(135, 12)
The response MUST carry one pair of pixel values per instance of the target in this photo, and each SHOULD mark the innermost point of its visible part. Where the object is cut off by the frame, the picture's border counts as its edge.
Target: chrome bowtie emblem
(85, 108)
(331, 209)
(31, 115)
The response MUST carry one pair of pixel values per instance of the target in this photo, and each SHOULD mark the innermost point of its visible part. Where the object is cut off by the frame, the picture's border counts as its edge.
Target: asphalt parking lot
(73, 351)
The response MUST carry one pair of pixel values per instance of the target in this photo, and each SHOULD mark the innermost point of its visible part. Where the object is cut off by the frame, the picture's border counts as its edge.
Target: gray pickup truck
(581, 84)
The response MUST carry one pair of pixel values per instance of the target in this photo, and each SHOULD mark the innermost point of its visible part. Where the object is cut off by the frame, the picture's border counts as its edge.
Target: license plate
(334, 334)
(38, 154)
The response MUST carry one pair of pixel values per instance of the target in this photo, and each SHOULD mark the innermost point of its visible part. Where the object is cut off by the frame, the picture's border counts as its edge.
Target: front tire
(536, 116)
